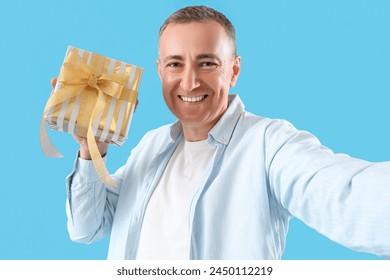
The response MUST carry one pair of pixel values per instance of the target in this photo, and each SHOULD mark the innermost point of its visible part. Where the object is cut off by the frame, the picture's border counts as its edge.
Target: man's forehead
(194, 25)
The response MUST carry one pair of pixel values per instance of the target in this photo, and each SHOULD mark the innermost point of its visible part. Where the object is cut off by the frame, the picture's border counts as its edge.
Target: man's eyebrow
(173, 57)
(208, 55)
(198, 57)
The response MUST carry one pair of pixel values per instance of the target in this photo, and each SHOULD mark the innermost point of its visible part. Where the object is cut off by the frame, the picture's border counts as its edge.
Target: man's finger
(53, 82)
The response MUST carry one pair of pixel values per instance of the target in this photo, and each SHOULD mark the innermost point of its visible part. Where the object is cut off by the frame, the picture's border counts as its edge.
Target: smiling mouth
(192, 99)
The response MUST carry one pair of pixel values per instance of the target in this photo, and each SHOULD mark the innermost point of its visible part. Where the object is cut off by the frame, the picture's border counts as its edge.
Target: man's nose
(189, 80)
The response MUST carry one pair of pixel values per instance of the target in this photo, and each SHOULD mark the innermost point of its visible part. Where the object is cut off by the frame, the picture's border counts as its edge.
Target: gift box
(95, 97)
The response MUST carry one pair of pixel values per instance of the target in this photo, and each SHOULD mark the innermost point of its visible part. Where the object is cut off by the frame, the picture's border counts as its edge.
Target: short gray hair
(201, 14)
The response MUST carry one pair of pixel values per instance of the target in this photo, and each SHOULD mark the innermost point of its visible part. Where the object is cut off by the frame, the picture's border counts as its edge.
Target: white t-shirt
(165, 230)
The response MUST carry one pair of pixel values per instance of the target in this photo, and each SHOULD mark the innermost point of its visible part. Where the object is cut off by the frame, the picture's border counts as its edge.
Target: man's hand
(84, 151)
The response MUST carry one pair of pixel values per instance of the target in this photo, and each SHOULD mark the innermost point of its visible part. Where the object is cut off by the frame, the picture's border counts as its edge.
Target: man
(222, 183)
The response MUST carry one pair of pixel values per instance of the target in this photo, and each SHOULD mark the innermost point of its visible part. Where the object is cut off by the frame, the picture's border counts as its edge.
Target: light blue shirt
(264, 172)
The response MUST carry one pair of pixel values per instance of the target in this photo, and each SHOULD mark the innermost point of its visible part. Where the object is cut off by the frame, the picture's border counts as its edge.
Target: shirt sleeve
(90, 205)
(343, 198)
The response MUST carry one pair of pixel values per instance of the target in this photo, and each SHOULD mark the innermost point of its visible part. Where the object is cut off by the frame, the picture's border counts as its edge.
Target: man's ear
(236, 70)
(158, 65)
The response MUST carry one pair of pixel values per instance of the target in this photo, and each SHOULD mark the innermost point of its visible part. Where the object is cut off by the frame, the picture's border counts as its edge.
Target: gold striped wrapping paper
(94, 97)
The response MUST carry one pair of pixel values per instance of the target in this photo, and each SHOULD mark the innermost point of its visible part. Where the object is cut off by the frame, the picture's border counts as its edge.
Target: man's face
(197, 67)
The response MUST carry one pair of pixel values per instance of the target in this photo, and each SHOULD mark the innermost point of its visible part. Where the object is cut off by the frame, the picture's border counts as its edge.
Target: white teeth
(193, 99)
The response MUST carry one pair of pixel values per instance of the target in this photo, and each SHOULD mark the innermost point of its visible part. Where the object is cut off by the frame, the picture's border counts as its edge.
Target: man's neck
(197, 132)
(194, 133)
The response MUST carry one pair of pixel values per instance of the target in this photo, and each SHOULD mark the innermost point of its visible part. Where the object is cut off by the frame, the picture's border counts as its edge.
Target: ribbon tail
(46, 145)
(97, 160)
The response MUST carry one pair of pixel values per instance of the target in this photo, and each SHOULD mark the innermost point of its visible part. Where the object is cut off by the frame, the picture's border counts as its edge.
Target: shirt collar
(223, 129)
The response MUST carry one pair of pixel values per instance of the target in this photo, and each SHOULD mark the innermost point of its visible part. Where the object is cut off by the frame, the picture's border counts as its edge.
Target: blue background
(323, 65)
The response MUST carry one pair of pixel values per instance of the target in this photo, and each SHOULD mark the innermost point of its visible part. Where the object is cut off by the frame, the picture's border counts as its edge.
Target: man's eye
(173, 65)
(208, 65)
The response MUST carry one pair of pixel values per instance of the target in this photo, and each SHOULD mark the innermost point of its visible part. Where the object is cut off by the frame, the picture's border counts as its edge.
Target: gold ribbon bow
(76, 78)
